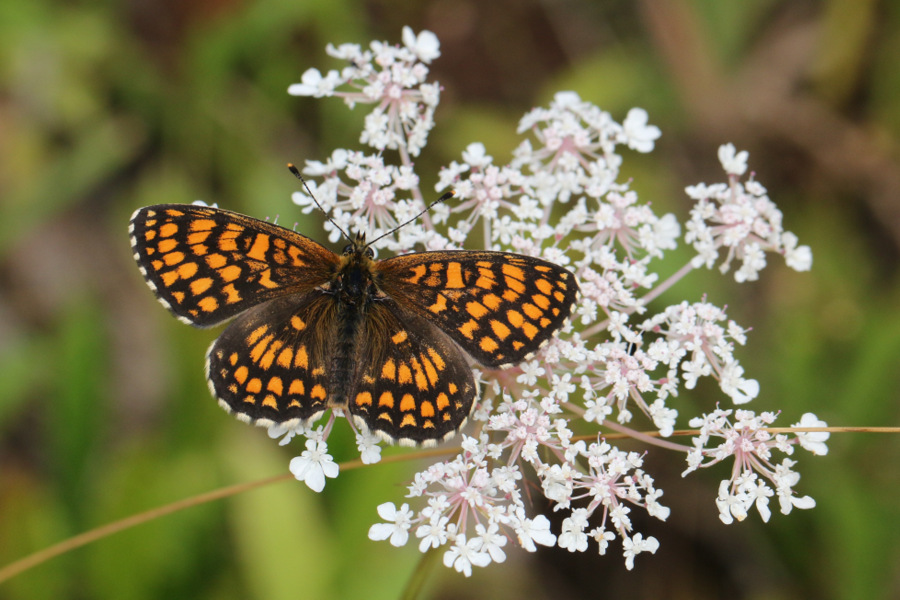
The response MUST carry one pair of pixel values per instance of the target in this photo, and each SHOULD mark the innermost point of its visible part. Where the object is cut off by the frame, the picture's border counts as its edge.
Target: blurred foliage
(107, 106)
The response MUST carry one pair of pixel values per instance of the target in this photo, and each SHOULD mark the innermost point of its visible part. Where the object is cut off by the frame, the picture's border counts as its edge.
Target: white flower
(639, 134)
(536, 530)
(425, 45)
(492, 541)
(369, 448)
(462, 555)
(286, 434)
(314, 465)
(734, 163)
(434, 533)
(397, 528)
(635, 545)
(315, 85)
(814, 442)
(799, 258)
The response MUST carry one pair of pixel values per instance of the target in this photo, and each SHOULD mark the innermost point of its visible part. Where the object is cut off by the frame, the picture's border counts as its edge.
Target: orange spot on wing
(543, 285)
(198, 286)
(492, 301)
(541, 300)
(389, 369)
(240, 374)
(172, 258)
(187, 270)
(499, 329)
(476, 309)
(260, 348)
(275, 386)
(427, 409)
(301, 360)
(167, 245)
(284, 359)
(468, 328)
(230, 273)
(454, 275)
(216, 261)
(512, 271)
(259, 248)
(407, 403)
(515, 318)
(317, 392)
(231, 294)
(436, 359)
(386, 399)
(363, 399)
(202, 225)
(269, 357)
(430, 371)
(168, 230)
(439, 305)
(488, 344)
(515, 285)
(265, 279)
(533, 312)
(418, 272)
(254, 386)
(208, 304)
(256, 334)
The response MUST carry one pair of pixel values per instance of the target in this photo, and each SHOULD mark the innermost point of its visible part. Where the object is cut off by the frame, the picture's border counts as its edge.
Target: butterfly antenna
(297, 174)
(443, 198)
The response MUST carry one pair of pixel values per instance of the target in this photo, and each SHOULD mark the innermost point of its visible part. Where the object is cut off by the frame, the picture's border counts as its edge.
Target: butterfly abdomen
(353, 290)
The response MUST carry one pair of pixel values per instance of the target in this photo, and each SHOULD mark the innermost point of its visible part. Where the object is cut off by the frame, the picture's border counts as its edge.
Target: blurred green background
(106, 106)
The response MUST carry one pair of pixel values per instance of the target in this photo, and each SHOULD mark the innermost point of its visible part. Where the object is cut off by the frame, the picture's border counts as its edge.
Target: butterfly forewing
(207, 265)
(499, 307)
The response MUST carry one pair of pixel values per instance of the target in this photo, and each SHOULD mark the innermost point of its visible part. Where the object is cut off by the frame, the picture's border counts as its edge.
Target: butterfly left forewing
(207, 264)
(499, 307)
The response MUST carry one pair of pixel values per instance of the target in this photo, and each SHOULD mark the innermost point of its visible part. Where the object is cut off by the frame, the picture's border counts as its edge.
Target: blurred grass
(108, 106)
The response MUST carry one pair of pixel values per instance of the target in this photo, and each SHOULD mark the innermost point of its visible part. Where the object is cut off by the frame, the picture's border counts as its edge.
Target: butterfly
(384, 341)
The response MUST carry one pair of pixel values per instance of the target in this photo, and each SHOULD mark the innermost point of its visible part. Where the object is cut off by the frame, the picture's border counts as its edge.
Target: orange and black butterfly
(382, 340)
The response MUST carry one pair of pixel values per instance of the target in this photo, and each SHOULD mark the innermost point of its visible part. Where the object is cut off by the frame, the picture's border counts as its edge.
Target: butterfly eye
(370, 253)
(348, 249)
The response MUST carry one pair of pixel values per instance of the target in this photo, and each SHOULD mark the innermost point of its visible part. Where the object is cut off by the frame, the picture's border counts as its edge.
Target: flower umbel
(562, 198)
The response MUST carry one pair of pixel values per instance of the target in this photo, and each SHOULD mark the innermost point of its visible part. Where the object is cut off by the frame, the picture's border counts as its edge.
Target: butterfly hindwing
(499, 307)
(207, 264)
(412, 383)
(271, 365)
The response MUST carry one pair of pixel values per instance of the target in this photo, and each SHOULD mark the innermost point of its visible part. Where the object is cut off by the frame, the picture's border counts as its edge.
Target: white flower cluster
(741, 218)
(560, 198)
